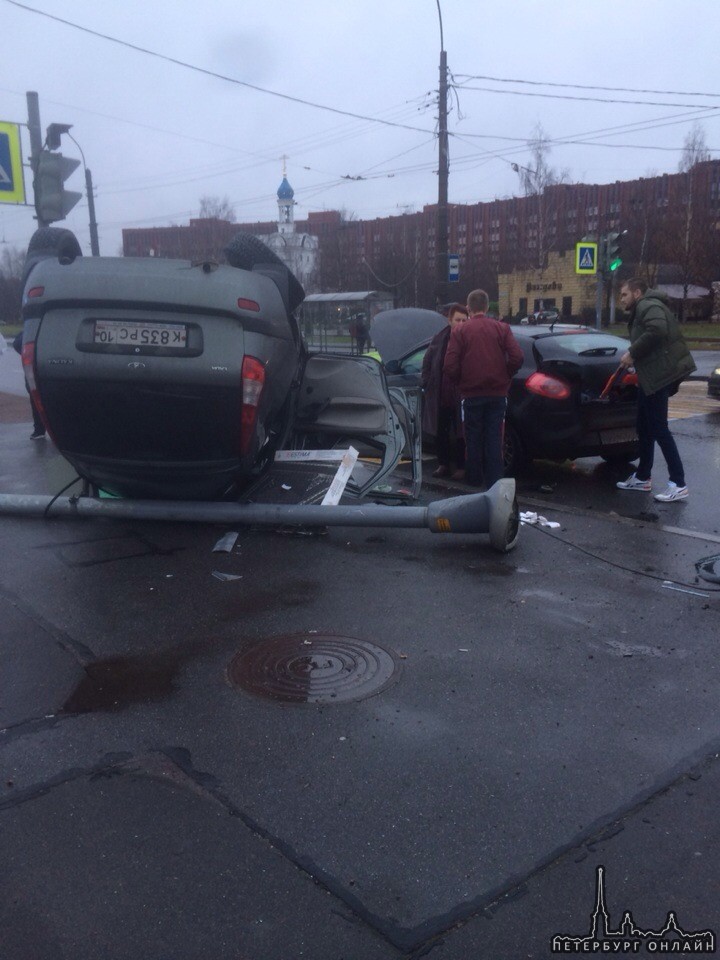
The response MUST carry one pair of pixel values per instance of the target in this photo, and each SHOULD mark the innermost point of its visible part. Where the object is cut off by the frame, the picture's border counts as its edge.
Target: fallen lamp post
(494, 512)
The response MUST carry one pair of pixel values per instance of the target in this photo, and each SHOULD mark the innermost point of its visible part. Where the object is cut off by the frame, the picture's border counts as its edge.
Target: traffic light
(613, 251)
(52, 201)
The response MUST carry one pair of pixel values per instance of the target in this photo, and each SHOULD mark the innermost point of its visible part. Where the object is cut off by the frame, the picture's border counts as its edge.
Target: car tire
(515, 456)
(47, 243)
(246, 252)
(619, 459)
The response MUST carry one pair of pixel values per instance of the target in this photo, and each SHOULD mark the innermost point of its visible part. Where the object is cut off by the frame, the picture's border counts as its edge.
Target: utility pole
(443, 176)
(94, 244)
(33, 107)
(602, 264)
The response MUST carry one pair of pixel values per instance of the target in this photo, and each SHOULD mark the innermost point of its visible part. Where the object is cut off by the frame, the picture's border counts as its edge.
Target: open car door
(346, 400)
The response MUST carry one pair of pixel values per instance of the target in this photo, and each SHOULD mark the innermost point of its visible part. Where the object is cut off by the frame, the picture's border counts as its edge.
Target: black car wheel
(50, 242)
(619, 459)
(246, 251)
(515, 456)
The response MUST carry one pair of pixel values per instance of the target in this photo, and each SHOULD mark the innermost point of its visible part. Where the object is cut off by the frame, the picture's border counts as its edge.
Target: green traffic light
(615, 264)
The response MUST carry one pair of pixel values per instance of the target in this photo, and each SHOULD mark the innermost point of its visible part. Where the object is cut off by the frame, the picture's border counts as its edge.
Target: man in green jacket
(661, 358)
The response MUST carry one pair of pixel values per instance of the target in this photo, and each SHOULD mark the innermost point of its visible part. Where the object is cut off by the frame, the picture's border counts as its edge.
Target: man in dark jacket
(661, 358)
(481, 359)
(441, 400)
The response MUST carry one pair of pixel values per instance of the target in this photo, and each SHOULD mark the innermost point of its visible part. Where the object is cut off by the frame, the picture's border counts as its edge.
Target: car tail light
(253, 381)
(28, 362)
(553, 388)
(35, 292)
(248, 304)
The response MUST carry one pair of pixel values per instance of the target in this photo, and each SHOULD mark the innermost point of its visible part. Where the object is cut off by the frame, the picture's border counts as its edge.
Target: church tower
(286, 214)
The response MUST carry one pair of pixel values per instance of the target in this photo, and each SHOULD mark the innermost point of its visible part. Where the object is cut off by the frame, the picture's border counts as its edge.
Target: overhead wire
(587, 86)
(561, 96)
(213, 73)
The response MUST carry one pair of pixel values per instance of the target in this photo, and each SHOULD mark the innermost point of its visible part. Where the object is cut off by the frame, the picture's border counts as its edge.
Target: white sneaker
(632, 483)
(673, 492)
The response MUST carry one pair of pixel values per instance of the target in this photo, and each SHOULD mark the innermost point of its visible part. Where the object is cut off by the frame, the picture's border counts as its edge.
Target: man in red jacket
(481, 359)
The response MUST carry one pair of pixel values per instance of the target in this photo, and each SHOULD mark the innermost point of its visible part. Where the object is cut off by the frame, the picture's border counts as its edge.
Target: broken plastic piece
(669, 585)
(337, 487)
(226, 543)
(219, 575)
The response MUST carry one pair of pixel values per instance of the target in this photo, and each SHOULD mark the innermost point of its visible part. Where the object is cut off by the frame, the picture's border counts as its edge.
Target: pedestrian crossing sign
(12, 185)
(585, 257)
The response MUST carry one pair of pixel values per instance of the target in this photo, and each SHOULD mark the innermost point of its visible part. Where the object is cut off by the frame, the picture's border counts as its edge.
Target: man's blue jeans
(483, 422)
(652, 427)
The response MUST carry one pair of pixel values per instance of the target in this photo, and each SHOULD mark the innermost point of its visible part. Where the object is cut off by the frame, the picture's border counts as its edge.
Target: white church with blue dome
(298, 251)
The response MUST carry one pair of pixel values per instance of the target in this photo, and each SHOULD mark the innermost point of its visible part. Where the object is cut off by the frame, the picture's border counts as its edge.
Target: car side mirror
(393, 366)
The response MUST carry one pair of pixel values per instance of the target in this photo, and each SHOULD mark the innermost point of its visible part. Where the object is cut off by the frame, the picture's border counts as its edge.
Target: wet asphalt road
(550, 711)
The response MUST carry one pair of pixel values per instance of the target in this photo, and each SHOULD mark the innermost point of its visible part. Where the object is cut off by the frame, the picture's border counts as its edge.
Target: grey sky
(158, 136)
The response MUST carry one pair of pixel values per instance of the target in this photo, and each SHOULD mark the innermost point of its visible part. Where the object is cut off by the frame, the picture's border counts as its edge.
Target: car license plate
(140, 334)
(621, 435)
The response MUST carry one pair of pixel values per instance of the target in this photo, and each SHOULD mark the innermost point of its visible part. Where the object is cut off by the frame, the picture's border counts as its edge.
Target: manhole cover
(312, 668)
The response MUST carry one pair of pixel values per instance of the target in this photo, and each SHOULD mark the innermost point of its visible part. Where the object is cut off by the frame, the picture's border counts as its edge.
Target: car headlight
(716, 372)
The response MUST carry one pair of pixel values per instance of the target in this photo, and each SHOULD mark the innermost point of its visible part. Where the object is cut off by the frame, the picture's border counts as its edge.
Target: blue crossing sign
(586, 257)
(12, 183)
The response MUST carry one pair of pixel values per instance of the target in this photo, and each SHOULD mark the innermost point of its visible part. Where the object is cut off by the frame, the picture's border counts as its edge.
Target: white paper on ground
(533, 519)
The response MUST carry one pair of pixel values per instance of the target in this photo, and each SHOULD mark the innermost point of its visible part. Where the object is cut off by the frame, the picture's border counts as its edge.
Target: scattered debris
(533, 519)
(225, 544)
(286, 486)
(337, 487)
(219, 575)
(706, 568)
(669, 585)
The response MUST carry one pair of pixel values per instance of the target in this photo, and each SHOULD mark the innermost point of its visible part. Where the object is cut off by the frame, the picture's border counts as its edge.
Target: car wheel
(619, 459)
(49, 242)
(245, 252)
(515, 456)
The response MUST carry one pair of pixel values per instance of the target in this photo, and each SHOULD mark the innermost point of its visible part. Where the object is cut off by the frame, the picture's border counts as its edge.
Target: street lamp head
(54, 132)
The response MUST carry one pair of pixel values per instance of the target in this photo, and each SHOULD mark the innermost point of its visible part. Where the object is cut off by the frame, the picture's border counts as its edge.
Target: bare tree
(540, 175)
(12, 261)
(214, 208)
(694, 149)
(537, 182)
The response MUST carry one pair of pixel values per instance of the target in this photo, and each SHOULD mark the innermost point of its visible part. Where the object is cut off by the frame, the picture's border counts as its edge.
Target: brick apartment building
(672, 218)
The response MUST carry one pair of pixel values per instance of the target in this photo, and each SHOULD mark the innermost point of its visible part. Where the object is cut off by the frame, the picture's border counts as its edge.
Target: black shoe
(37, 435)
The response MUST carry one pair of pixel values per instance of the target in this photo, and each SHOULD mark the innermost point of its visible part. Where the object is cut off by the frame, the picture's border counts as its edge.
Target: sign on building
(453, 267)
(586, 257)
(12, 184)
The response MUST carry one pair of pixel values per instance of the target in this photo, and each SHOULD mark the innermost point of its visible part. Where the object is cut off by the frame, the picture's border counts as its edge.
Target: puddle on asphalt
(116, 683)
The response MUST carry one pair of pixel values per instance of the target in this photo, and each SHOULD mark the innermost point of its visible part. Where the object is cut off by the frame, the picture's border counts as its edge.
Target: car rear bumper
(568, 436)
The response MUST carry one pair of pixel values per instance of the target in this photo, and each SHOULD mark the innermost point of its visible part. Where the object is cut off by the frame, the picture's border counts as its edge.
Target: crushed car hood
(396, 332)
